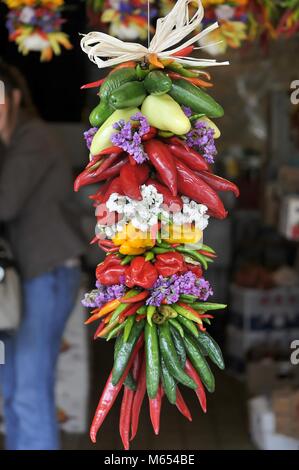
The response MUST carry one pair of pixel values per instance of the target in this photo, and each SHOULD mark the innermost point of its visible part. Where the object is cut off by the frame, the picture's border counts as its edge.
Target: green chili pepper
(115, 330)
(128, 327)
(171, 358)
(211, 348)
(188, 298)
(205, 306)
(142, 310)
(127, 259)
(152, 359)
(200, 363)
(149, 256)
(159, 251)
(141, 73)
(177, 325)
(130, 382)
(125, 352)
(188, 325)
(168, 382)
(208, 249)
(151, 310)
(193, 255)
(122, 307)
(194, 117)
(179, 346)
(163, 244)
(186, 313)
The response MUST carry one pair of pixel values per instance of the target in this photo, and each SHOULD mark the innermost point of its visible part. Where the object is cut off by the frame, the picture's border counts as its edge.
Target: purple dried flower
(170, 289)
(187, 111)
(89, 135)
(201, 138)
(129, 136)
(103, 294)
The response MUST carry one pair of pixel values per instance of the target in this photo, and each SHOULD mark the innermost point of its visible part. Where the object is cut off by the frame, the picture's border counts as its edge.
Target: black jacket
(36, 200)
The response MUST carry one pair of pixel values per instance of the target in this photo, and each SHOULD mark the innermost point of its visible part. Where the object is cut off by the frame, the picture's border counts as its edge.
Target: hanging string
(169, 38)
(148, 23)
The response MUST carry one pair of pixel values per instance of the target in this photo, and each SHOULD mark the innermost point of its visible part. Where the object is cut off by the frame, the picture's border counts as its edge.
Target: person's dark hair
(14, 80)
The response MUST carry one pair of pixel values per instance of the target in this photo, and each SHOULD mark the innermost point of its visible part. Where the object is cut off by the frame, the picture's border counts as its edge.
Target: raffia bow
(108, 51)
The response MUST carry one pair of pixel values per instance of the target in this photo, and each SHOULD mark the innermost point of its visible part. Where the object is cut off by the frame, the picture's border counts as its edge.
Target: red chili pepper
(141, 273)
(163, 161)
(184, 52)
(98, 196)
(131, 310)
(170, 263)
(99, 329)
(155, 410)
(142, 173)
(140, 317)
(110, 394)
(130, 182)
(192, 159)
(114, 187)
(96, 84)
(195, 268)
(113, 170)
(137, 298)
(138, 398)
(182, 406)
(174, 203)
(198, 190)
(200, 391)
(217, 183)
(194, 80)
(110, 271)
(104, 171)
(126, 407)
(108, 250)
(207, 253)
(190, 309)
(110, 150)
(150, 135)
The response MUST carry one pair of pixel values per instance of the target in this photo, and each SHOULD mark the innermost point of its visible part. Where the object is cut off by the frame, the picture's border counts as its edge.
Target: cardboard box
(285, 405)
(262, 427)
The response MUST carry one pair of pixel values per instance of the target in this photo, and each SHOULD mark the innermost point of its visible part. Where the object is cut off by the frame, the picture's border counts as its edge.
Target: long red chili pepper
(192, 159)
(129, 311)
(181, 405)
(194, 80)
(184, 52)
(200, 391)
(110, 394)
(195, 188)
(109, 150)
(114, 187)
(155, 410)
(175, 203)
(99, 329)
(150, 134)
(217, 183)
(143, 295)
(93, 84)
(113, 170)
(126, 407)
(163, 161)
(130, 182)
(99, 194)
(138, 399)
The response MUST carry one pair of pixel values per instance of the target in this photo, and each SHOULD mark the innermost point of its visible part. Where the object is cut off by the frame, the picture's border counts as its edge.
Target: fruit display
(152, 147)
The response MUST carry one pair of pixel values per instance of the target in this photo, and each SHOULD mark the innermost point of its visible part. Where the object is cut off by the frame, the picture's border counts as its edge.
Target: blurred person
(41, 227)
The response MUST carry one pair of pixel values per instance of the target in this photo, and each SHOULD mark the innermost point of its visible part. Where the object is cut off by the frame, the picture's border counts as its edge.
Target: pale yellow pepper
(182, 234)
